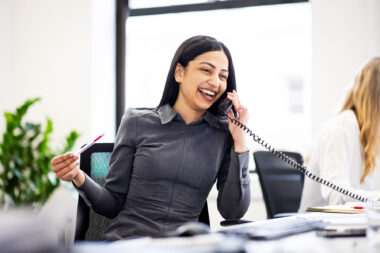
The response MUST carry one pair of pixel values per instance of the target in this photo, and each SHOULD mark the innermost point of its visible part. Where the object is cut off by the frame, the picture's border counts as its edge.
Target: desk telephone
(226, 105)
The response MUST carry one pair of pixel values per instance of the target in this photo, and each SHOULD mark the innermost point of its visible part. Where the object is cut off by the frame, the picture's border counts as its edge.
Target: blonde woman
(346, 151)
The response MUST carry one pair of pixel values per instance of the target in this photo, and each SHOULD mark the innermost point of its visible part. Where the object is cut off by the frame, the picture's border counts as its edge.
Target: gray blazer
(162, 170)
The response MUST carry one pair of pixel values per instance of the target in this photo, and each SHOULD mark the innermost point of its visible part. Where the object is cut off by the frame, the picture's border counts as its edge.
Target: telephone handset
(226, 105)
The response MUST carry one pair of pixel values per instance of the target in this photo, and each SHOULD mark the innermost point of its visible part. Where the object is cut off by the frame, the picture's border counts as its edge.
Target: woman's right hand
(66, 168)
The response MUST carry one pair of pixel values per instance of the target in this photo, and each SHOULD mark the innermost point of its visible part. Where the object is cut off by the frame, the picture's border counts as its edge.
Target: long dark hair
(187, 52)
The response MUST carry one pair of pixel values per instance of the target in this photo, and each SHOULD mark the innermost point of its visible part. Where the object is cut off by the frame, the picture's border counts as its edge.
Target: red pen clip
(358, 207)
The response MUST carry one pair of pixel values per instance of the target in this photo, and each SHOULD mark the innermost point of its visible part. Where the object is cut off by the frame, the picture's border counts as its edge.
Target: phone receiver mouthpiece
(224, 107)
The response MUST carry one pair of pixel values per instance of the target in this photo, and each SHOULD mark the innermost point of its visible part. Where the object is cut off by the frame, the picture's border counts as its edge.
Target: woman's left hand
(238, 134)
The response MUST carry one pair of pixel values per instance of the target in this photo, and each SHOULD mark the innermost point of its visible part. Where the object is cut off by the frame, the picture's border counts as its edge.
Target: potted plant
(26, 177)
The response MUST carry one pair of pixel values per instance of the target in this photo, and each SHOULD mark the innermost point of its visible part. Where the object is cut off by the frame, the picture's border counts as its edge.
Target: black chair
(281, 183)
(95, 162)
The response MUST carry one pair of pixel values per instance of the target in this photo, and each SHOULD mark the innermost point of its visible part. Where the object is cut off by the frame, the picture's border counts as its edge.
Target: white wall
(5, 55)
(103, 68)
(63, 52)
(345, 33)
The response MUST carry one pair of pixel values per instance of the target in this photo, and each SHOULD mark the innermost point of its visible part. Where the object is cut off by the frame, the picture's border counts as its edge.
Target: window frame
(123, 12)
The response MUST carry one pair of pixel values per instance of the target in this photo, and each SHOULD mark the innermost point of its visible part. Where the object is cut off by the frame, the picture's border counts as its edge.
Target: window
(271, 49)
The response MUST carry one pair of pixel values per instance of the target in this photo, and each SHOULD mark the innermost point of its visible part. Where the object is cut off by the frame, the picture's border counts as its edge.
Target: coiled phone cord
(302, 169)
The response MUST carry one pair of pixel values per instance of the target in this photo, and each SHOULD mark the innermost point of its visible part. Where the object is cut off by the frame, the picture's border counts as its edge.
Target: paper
(337, 218)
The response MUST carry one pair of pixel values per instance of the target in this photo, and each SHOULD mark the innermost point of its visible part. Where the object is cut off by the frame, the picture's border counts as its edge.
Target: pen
(85, 147)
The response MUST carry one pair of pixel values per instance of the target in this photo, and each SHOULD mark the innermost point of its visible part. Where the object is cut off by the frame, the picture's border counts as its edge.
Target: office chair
(281, 183)
(94, 162)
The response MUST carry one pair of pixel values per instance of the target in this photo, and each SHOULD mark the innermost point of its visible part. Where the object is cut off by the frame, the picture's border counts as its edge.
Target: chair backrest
(95, 163)
(281, 183)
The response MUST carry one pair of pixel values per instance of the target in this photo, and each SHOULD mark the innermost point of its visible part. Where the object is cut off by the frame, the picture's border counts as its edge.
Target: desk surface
(310, 243)
(306, 242)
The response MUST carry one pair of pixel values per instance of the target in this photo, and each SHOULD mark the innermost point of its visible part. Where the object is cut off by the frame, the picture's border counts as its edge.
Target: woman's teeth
(207, 92)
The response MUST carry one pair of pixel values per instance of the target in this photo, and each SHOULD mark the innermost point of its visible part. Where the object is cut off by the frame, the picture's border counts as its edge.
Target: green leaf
(36, 130)
(21, 111)
(71, 138)
(15, 172)
(17, 160)
(11, 122)
(43, 147)
(26, 177)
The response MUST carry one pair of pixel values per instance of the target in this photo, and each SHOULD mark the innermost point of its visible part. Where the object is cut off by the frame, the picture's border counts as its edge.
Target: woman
(166, 159)
(346, 151)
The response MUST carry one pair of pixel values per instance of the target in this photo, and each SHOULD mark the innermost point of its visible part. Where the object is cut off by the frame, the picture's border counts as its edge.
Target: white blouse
(338, 157)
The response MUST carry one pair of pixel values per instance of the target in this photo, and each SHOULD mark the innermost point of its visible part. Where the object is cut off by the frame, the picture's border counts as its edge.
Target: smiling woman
(153, 189)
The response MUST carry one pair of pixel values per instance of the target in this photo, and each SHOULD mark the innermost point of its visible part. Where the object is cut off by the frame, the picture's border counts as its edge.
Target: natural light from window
(271, 49)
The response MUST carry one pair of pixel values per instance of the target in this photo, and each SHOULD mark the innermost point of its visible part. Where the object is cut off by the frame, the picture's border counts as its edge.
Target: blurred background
(293, 61)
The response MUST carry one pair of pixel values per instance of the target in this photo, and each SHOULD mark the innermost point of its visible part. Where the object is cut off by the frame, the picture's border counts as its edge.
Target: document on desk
(337, 218)
(340, 224)
(349, 215)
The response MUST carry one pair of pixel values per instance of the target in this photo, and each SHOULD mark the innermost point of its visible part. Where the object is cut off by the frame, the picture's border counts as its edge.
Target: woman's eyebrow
(213, 66)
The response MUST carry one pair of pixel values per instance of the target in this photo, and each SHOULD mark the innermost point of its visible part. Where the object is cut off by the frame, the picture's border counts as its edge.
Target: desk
(306, 242)
(310, 243)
